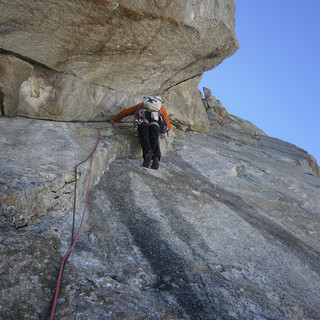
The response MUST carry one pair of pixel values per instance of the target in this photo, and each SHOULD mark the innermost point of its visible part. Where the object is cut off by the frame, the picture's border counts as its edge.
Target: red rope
(73, 242)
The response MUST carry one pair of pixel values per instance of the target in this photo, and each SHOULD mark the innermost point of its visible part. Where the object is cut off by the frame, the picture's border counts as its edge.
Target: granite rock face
(86, 59)
(214, 107)
(13, 72)
(37, 164)
(185, 107)
(227, 228)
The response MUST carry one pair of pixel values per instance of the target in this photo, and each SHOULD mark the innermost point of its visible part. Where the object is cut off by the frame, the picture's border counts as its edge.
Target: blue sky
(273, 80)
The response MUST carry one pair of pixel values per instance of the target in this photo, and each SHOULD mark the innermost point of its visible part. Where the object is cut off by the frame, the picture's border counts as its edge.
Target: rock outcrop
(185, 106)
(215, 110)
(37, 165)
(227, 228)
(82, 60)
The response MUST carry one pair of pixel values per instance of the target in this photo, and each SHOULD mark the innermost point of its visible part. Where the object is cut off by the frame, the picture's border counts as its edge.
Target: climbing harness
(151, 118)
(74, 240)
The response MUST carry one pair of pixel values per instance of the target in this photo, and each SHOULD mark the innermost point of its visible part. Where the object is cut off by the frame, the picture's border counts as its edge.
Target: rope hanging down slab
(74, 240)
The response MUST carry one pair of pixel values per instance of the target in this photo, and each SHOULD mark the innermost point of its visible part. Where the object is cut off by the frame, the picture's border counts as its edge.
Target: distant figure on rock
(151, 118)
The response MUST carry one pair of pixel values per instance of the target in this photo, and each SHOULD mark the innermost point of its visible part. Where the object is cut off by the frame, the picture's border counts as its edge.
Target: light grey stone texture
(38, 160)
(90, 58)
(225, 229)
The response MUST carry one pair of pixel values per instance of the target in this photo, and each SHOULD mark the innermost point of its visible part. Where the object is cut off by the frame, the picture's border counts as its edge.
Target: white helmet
(151, 103)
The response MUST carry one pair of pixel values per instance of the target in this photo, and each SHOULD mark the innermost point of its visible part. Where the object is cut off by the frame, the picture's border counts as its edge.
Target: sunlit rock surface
(84, 60)
(227, 228)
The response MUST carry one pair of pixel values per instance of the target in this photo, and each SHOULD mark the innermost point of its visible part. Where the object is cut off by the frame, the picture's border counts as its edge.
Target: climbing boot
(147, 160)
(155, 163)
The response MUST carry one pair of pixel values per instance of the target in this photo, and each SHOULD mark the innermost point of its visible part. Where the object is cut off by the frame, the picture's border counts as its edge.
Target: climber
(150, 117)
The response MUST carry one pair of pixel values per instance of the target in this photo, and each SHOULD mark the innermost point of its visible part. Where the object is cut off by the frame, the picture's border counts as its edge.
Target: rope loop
(74, 240)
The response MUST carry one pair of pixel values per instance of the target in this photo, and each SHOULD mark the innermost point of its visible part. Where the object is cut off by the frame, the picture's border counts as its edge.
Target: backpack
(141, 114)
(151, 103)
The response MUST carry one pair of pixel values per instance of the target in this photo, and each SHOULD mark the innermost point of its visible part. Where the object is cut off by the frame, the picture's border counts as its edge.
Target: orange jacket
(132, 110)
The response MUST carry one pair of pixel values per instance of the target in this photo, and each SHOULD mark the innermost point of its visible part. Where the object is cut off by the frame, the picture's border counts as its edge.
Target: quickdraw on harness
(139, 117)
(151, 118)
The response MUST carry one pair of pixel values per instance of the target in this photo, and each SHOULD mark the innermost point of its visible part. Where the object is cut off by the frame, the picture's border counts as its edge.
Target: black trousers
(149, 138)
